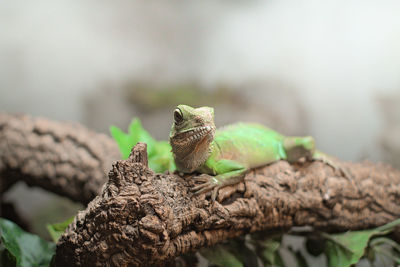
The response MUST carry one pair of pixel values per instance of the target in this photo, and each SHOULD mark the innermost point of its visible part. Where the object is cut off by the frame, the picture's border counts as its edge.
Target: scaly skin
(227, 154)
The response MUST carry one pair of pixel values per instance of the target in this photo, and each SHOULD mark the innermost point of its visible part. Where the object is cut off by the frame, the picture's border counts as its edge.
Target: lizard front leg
(228, 173)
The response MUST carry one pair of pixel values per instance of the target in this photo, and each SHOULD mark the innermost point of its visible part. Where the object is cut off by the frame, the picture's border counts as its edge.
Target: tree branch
(142, 218)
(65, 158)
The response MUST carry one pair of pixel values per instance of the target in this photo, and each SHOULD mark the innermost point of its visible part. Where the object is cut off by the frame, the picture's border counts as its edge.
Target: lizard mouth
(193, 135)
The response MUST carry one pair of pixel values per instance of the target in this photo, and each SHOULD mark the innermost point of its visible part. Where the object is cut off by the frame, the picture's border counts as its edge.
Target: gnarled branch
(65, 158)
(142, 218)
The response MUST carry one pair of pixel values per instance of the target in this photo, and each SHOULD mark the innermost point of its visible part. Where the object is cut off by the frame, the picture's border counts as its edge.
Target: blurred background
(330, 69)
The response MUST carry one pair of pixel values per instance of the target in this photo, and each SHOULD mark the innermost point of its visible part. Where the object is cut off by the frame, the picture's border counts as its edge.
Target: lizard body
(227, 154)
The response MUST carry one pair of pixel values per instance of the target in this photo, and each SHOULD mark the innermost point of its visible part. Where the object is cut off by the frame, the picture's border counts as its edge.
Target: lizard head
(191, 135)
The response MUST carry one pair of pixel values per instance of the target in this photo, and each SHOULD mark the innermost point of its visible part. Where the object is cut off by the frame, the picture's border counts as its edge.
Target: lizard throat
(192, 148)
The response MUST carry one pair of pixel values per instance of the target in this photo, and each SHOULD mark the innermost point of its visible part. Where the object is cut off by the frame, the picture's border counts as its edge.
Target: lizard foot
(335, 167)
(327, 160)
(207, 183)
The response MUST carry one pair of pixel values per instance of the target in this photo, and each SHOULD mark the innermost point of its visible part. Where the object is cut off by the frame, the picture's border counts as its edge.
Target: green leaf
(377, 241)
(300, 259)
(136, 133)
(26, 248)
(162, 158)
(123, 140)
(389, 226)
(159, 152)
(241, 251)
(57, 229)
(220, 256)
(268, 251)
(384, 247)
(139, 134)
(347, 248)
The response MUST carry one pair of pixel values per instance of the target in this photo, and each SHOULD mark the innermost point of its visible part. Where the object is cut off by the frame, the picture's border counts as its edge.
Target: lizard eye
(178, 116)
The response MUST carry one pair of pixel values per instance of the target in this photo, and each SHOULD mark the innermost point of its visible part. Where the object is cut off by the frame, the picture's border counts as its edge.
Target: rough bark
(142, 218)
(65, 158)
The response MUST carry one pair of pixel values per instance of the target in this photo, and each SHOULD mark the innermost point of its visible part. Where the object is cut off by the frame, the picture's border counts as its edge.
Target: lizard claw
(208, 183)
(335, 167)
(214, 193)
(203, 178)
(202, 188)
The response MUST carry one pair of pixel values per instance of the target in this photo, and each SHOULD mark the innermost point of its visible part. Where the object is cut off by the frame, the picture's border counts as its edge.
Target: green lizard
(227, 154)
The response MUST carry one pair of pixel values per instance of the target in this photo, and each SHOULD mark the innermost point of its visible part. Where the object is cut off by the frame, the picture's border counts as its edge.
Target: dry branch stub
(142, 218)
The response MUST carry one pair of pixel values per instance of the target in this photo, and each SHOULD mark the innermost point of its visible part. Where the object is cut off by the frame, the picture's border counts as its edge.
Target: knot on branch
(125, 173)
(139, 154)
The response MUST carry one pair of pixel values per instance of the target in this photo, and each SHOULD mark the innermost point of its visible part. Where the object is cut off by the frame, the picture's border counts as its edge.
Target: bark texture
(142, 218)
(65, 158)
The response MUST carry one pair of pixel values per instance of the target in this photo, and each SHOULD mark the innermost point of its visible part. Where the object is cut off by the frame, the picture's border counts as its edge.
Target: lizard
(223, 156)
